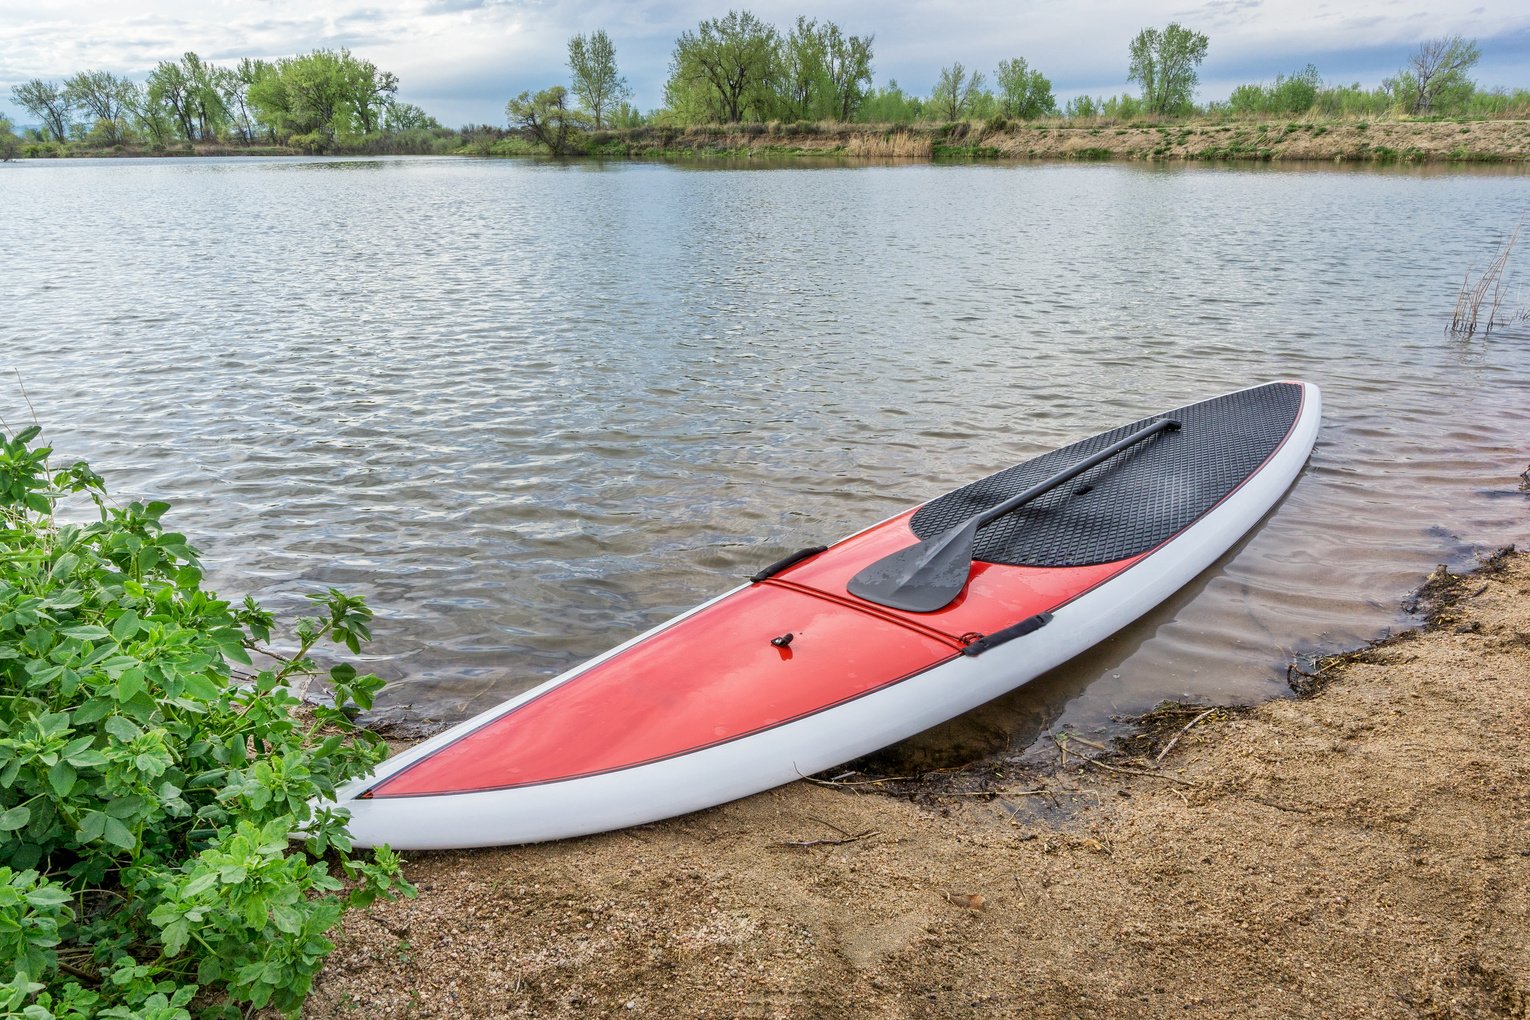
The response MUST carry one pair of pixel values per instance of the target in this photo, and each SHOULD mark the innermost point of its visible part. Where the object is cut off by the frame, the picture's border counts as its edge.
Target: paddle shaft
(993, 513)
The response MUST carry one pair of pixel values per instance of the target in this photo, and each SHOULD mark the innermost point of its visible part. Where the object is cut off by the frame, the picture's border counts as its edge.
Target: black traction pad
(1132, 502)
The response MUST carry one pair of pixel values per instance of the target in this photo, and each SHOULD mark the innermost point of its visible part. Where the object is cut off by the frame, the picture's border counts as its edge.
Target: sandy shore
(1362, 850)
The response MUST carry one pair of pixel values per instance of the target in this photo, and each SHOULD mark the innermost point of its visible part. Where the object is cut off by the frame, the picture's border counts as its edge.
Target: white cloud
(462, 59)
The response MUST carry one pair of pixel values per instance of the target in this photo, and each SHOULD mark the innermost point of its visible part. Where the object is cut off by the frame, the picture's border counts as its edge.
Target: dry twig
(1187, 727)
(851, 838)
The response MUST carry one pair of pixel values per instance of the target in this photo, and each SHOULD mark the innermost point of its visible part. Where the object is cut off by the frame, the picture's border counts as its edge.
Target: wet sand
(1361, 849)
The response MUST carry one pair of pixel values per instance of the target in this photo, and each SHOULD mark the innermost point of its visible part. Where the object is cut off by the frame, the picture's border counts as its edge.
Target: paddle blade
(923, 577)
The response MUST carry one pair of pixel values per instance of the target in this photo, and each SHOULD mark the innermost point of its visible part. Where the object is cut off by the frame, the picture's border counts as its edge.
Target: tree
(203, 97)
(724, 69)
(1164, 64)
(1023, 92)
(151, 116)
(547, 117)
(103, 94)
(10, 145)
(955, 92)
(189, 88)
(890, 105)
(233, 85)
(1294, 94)
(1080, 107)
(823, 73)
(407, 117)
(1436, 75)
(803, 71)
(168, 88)
(847, 63)
(48, 102)
(367, 89)
(597, 85)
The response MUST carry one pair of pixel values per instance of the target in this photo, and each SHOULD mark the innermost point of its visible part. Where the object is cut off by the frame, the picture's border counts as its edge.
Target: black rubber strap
(792, 560)
(998, 637)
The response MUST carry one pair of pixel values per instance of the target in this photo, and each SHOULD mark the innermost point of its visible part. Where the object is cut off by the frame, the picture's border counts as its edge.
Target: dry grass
(1488, 291)
(888, 145)
(1336, 141)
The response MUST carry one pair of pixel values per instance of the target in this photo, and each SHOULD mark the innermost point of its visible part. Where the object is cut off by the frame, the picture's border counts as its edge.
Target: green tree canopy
(1023, 91)
(49, 102)
(547, 117)
(847, 67)
(823, 73)
(189, 89)
(10, 145)
(1436, 76)
(1164, 63)
(724, 70)
(1292, 94)
(956, 92)
(890, 105)
(319, 96)
(104, 95)
(597, 84)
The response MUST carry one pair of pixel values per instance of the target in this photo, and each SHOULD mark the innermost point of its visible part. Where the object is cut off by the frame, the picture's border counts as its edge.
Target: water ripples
(529, 410)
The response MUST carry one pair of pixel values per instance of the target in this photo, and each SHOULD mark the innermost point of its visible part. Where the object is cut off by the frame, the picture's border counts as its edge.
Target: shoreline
(1458, 142)
(1356, 849)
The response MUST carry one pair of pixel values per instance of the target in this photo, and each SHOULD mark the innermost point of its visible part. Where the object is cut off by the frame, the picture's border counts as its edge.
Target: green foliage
(1295, 94)
(1080, 107)
(48, 102)
(723, 71)
(845, 73)
(314, 100)
(822, 74)
(106, 97)
(1023, 91)
(1352, 101)
(957, 94)
(319, 102)
(1435, 79)
(147, 791)
(1164, 63)
(596, 82)
(10, 144)
(547, 118)
(890, 105)
(189, 90)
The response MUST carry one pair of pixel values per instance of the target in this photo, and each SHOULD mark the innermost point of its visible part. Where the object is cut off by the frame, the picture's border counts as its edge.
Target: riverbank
(1356, 850)
(1345, 141)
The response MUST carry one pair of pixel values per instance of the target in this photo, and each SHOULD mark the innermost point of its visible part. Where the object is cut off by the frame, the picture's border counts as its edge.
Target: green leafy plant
(151, 778)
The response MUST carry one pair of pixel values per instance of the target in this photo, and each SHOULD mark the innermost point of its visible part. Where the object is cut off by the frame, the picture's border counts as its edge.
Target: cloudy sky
(461, 59)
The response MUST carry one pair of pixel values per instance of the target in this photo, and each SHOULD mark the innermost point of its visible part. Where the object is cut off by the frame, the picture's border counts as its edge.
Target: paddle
(929, 575)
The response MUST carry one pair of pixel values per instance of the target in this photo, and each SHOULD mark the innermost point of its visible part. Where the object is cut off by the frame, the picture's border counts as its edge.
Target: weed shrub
(148, 788)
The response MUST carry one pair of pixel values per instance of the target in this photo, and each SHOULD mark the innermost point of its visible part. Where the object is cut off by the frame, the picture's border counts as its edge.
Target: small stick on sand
(858, 782)
(1188, 726)
(1140, 772)
(803, 843)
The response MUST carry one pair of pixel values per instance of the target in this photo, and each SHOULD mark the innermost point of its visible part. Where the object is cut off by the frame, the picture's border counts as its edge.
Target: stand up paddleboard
(835, 652)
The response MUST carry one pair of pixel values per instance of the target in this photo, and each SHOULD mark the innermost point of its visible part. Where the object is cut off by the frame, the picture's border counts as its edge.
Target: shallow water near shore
(530, 410)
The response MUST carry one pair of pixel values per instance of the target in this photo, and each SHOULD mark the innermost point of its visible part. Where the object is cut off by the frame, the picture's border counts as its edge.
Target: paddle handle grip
(993, 513)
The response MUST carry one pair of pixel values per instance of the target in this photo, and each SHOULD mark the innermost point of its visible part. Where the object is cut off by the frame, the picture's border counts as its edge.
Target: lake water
(530, 409)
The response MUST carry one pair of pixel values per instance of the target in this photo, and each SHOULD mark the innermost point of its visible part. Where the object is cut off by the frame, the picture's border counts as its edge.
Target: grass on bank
(1207, 138)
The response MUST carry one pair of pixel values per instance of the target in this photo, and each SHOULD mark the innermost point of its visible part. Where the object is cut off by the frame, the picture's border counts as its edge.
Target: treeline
(741, 69)
(323, 101)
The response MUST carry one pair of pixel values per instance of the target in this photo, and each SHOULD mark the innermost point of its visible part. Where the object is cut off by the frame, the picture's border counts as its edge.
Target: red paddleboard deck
(793, 673)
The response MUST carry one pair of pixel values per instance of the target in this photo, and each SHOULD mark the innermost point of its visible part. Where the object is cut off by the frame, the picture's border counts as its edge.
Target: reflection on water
(530, 409)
